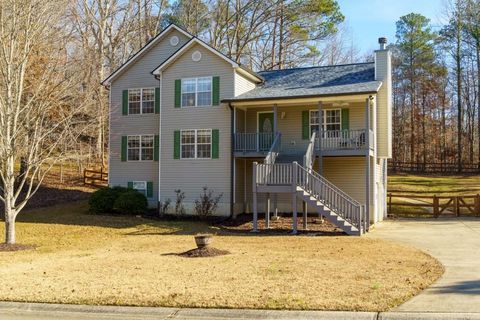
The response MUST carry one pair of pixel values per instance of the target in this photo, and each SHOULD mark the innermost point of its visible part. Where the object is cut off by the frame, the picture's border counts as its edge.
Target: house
(315, 139)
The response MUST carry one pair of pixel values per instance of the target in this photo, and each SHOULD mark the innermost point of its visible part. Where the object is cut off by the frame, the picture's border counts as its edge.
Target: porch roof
(314, 81)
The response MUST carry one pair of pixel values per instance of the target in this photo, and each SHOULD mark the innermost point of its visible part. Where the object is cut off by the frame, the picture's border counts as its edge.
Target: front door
(265, 131)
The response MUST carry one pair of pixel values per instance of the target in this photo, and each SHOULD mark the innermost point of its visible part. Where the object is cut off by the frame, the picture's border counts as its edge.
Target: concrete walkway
(456, 244)
(42, 311)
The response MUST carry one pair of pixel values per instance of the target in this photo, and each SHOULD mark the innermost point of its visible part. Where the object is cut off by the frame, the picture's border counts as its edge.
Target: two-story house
(315, 139)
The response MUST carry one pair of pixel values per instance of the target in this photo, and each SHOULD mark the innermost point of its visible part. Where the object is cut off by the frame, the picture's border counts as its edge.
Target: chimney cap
(382, 40)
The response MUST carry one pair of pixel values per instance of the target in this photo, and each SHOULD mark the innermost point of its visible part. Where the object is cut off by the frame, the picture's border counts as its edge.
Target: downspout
(232, 159)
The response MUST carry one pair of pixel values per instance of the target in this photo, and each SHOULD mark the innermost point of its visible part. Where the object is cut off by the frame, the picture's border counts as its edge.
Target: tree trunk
(9, 229)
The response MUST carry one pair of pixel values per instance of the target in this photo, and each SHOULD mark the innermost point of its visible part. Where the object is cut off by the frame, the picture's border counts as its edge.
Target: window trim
(324, 118)
(196, 144)
(140, 147)
(196, 92)
(141, 101)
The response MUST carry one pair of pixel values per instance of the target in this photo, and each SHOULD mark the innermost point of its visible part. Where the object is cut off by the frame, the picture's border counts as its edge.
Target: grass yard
(109, 260)
(429, 185)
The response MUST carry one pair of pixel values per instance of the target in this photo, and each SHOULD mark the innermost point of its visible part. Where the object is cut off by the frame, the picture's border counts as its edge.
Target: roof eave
(299, 96)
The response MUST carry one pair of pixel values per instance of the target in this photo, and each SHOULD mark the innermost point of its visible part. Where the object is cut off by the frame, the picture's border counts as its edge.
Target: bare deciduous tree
(35, 86)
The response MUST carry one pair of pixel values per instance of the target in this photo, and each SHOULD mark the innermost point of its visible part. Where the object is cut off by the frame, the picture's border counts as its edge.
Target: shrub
(207, 204)
(102, 200)
(165, 206)
(131, 202)
(179, 208)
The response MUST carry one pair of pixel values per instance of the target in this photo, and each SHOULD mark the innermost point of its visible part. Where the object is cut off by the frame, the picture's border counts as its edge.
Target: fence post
(390, 203)
(477, 204)
(457, 208)
(435, 206)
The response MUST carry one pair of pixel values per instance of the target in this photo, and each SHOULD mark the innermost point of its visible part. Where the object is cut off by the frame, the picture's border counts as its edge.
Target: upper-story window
(140, 148)
(141, 101)
(331, 120)
(197, 92)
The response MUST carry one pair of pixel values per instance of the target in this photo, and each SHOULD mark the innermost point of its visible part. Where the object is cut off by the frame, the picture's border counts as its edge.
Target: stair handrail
(274, 150)
(309, 158)
(330, 195)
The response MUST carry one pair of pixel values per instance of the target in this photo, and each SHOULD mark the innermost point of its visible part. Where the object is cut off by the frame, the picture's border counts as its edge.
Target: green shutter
(156, 148)
(305, 125)
(215, 141)
(157, 100)
(216, 91)
(125, 102)
(176, 144)
(124, 148)
(130, 184)
(178, 92)
(149, 189)
(345, 119)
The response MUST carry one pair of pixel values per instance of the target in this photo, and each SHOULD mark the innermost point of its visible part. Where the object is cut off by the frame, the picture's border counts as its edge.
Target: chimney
(383, 73)
(383, 43)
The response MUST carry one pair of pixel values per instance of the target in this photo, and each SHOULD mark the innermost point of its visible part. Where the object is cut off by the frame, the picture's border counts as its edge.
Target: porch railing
(274, 149)
(344, 139)
(330, 195)
(253, 142)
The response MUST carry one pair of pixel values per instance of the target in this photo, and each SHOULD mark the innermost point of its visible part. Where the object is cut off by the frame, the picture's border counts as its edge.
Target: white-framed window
(331, 120)
(140, 148)
(141, 101)
(140, 186)
(196, 144)
(197, 92)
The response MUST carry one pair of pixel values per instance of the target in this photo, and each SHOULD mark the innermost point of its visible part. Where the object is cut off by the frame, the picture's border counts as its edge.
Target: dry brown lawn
(108, 260)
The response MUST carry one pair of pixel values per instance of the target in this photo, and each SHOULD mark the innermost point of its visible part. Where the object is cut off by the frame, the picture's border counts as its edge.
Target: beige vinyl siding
(136, 75)
(242, 84)
(190, 175)
(291, 125)
(384, 104)
(347, 173)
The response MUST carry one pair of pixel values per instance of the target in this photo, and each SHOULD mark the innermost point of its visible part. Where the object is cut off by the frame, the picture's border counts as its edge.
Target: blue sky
(369, 19)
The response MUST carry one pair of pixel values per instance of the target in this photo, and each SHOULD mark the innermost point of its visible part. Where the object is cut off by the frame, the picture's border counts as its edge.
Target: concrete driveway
(456, 244)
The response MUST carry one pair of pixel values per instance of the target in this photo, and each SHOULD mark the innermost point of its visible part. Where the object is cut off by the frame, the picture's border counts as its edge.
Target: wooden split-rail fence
(95, 177)
(434, 205)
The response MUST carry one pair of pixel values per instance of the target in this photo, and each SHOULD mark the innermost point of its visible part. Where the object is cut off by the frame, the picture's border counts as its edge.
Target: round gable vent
(174, 41)
(196, 56)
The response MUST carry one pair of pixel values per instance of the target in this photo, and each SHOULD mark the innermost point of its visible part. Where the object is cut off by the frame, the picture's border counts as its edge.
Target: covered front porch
(345, 127)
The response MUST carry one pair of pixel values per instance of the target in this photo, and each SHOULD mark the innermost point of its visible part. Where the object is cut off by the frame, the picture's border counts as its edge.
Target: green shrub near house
(118, 200)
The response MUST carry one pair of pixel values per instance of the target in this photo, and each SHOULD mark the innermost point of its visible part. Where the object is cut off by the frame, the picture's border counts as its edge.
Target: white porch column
(320, 123)
(254, 189)
(294, 197)
(367, 164)
(267, 212)
(275, 119)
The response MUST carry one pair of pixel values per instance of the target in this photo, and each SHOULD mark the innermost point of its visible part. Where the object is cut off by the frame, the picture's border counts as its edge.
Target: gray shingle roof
(314, 81)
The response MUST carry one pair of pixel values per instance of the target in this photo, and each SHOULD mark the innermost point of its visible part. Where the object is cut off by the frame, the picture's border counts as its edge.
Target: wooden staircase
(317, 192)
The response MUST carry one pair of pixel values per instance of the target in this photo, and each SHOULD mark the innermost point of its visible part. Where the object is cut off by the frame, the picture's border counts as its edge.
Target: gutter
(298, 97)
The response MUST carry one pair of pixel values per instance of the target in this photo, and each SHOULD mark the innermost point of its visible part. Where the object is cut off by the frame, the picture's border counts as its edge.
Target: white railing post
(254, 188)
(294, 197)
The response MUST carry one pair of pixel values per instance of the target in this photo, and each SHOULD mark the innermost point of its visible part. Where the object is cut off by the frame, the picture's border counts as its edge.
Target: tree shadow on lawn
(76, 213)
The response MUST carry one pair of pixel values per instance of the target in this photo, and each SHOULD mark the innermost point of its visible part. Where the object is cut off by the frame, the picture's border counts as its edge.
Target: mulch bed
(203, 252)
(282, 225)
(15, 247)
